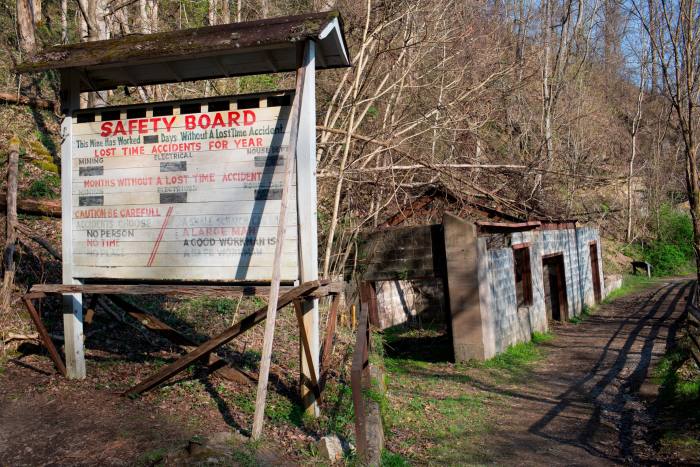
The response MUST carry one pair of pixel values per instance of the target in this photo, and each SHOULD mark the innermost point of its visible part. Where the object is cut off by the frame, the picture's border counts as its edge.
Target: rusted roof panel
(236, 49)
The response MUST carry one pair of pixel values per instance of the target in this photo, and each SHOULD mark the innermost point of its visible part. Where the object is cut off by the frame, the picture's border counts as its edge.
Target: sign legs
(310, 331)
(73, 334)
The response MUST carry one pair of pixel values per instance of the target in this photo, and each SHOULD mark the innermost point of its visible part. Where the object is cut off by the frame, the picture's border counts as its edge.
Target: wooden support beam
(307, 200)
(44, 334)
(327, 349)
(72, 302)
(175, 289)
(312, 382)
(289, 161)
(237, 329)
(150, 322)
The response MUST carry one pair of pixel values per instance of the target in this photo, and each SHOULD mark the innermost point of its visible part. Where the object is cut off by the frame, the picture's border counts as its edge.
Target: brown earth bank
(592, 401)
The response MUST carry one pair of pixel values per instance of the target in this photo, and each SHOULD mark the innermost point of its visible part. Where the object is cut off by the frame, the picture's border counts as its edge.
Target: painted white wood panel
(181, 197)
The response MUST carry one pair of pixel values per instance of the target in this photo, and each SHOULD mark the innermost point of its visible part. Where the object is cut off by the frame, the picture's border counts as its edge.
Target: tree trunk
(25, 27)
(36, 11)
(225, 12)
(64, 21)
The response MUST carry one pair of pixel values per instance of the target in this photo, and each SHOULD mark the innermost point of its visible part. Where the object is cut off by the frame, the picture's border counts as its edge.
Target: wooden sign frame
(306, 221)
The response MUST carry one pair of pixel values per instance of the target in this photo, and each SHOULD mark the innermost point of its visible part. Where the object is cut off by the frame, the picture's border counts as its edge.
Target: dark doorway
(595, 271)
(554, 287)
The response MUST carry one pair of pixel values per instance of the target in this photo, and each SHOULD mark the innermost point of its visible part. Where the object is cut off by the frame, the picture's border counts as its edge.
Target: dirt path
(585, 404)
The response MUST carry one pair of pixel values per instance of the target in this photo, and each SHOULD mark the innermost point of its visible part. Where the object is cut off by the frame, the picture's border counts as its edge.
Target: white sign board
(182, 196)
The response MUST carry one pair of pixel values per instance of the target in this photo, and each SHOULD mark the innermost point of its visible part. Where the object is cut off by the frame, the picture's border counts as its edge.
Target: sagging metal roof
(235, 49)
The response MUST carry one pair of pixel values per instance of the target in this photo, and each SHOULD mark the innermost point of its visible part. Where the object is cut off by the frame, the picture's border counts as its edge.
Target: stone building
(491, 284)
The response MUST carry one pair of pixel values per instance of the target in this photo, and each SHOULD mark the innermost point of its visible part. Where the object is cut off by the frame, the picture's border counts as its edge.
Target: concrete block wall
(537, 311)
(586, 235)
(416, 301)
(504, 316)
(505, 323)
(564, 241)
(509, 324)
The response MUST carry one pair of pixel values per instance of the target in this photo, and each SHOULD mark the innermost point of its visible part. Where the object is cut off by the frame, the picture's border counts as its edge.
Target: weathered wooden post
(73, 302)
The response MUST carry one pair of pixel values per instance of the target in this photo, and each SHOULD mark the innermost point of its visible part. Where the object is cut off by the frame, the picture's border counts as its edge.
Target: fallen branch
(29, 233)
(20, 337)
(35, 207)
(31, 101)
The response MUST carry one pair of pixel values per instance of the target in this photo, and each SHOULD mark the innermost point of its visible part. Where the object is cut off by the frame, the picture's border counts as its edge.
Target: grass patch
(222, 306)
(46, 187)
(581, 317)
(679, 403)
(542, 337)
(389, 459)
(515, 358)
(630, 284)
(246, 454)
(679, 385)
(151, 458)
(280, 410)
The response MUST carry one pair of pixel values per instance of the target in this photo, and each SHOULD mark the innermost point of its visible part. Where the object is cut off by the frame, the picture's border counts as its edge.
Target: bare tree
(675, 41)
(25, 26)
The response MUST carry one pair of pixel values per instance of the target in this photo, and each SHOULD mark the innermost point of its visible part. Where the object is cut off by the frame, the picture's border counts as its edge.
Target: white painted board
(192, 197)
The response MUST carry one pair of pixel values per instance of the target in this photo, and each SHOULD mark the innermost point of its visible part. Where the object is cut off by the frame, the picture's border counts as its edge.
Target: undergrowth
(679, 404)
(671, 252)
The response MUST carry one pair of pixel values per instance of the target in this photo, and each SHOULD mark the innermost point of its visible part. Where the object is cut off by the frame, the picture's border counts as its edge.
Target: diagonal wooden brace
(150, 322)
(207, 347)
(44, 334)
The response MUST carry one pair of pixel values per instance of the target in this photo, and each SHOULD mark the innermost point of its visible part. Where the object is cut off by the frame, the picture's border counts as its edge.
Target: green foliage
(389, 459)
(542, 337)
(672, 250)
(153, 457)
(44, 187)
(259, 83)
(678, 388)
(516, 358)
(245, 455)
(282, 410)
(341, 414)
(222, 306)
(580, 318)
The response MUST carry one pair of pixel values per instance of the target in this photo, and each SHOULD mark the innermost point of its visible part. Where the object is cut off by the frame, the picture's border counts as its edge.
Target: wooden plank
(220, 366)
(203, 349)
(149, 289)
(153, 171)
(45, 338)
(265, 359)
(177, 289)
